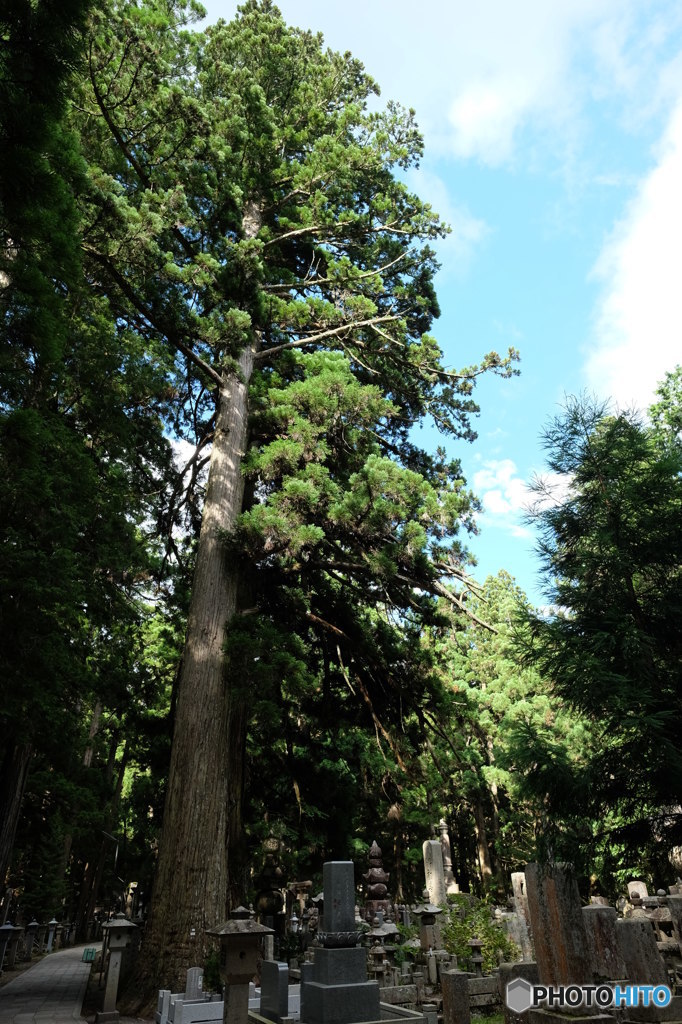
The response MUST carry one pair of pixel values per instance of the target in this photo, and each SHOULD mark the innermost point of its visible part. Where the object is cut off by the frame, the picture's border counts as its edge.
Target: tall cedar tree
(76, 412)
(612, 548)
(244, 211)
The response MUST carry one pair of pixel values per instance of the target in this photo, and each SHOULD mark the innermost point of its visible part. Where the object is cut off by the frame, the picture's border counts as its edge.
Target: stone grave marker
(450, 881)
(559, 934)
(607, 959)
(194, 983)
(456, 1007)
(336, 990)
(274, 990)
(434, 871)
(639, 887)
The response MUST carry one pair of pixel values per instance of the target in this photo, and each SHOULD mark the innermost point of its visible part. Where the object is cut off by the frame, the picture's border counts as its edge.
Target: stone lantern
(241, 948)
(476, 957)
(6, 932)
(429, 933)
(119, 932)
(51, 931)
(29, 938)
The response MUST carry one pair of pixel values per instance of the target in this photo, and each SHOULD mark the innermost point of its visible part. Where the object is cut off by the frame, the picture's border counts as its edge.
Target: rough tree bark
(192, 876)
(13, 775)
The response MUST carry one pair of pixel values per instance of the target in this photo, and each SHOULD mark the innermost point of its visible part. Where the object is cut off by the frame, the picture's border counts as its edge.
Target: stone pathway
(49, 992)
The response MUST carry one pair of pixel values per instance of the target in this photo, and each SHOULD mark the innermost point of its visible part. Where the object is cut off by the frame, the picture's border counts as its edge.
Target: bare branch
(333, 332)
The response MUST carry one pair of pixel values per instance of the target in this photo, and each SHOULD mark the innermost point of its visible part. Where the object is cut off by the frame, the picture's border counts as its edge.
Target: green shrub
(467, 918)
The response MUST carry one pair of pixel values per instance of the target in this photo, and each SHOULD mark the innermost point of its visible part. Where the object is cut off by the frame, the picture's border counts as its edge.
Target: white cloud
(478, 74)
(504, 496)
(507, 498)
(638, 323)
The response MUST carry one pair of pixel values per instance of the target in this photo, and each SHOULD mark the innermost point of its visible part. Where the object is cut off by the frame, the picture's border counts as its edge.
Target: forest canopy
(237, 605)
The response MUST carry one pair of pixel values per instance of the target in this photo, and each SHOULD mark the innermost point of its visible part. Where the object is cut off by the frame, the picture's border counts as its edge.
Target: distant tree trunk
(495, 821)
(482, 843)
(203, 804)
(13, 775)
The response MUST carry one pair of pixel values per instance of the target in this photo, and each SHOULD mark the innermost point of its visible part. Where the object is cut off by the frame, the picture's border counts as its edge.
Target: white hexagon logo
(519, 995)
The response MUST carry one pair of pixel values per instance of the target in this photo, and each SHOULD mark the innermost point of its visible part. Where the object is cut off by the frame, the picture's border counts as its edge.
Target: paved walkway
(49, 992)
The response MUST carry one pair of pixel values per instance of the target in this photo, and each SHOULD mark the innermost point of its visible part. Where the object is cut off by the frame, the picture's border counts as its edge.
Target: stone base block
(340, 966)
(650, 1014)
(548, 1017)
(341, 1004)
(105, 1016)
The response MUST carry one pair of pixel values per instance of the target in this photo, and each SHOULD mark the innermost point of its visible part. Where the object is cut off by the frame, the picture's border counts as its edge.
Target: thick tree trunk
(13, 775)
(203, 799)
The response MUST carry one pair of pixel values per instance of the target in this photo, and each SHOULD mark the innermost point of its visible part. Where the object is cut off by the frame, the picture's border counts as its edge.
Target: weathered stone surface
(450, 881)
(456, 1008)
(338, 878)
(399, 995)
(340, 966)
(637, 943)
(506, 975)
(607, 959)
(636, 886)
(559, 935)
(675, 907)
(434, 871)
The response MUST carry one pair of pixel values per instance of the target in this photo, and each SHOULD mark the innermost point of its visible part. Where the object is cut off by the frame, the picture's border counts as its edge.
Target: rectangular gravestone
(637, 943)
(338, 883)
(274, 990)
(434, 871)
(607, 959)
(509, 973)
(636, 886)
(559, 934)
(194, 983)
(645, 966)
(456, 1006)
(336, 989)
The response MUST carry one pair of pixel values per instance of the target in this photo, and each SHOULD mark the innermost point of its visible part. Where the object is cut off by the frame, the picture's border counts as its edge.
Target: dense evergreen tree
(244, 217)
(612, 547)
(476, 756)
(76, 415)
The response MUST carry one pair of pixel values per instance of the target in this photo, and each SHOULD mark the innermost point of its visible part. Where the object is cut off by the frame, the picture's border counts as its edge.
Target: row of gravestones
(20, 943)
(576, 945)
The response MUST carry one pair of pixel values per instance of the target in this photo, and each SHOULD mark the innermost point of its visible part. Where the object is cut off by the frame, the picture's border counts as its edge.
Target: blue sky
(553, 136)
